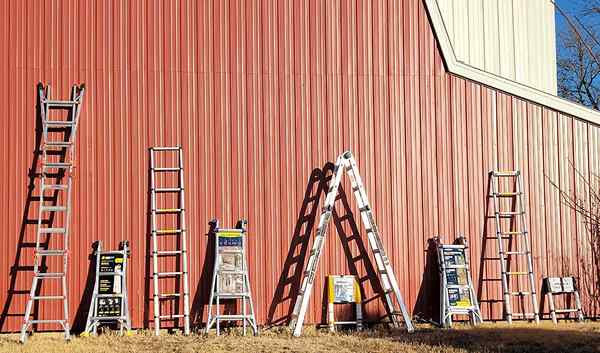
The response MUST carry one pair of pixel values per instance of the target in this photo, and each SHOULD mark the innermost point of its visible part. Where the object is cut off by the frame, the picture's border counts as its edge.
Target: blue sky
(572, 8)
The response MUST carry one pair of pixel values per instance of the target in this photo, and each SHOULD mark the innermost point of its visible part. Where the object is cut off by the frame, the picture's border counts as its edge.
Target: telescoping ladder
(346, 163)
(513, 228)
(179, 231)
(110, 301)
(59, 127)
(230, 279)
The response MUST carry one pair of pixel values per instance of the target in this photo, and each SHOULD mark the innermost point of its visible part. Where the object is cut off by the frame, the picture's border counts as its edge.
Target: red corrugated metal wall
(259, 94)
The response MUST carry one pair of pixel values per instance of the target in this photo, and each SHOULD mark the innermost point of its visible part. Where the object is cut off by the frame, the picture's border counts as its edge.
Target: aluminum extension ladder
(230, 278)
(110, 301)
(58, 156)
(180, 231)
(456, 282)
(518, 229)
(346, 162)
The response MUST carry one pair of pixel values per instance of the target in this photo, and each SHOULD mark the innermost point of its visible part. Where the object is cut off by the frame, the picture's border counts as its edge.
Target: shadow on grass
(506, 340)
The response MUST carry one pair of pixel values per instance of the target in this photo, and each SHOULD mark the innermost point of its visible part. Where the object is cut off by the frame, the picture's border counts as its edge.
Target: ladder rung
(48, 297)
(506, 173)
(516, 252)
(169, 295)
(523, 314)
(108, 318)
(50, 275)
(168, 189)
(513, 233)
(519, 293)
(168, 231)
(55, 187)
(56, 123)
(508, 194)
(169, 252)
(517, 273)
(232, 296)
(57, 103)
(51, 252)
(564, 311)
(233, 317)
(169, 274)
(175, 316)
(57, 165)
(52, 208)
(166, 169)
(165, 148)
(46, 321)
(61, 144)
(509, 214)
(52, 230)
(168, 210)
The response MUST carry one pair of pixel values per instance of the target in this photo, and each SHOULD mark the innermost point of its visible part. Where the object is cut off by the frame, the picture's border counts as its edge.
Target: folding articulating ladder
(457, 295)
(230, 277)
(346, 163)
(58, 155)
(515, 229)
(110, 302)
(180, 231)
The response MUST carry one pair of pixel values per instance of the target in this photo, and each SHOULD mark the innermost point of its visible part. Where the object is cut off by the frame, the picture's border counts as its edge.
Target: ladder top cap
(347, 154)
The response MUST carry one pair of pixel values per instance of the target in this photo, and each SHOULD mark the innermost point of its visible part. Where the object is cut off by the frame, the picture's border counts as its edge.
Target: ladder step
(169, 252)
(168, 231)
(232, 296)
(48, 297)
(523, 314)
(169, 295)
(57, 165)
(516, 252)
(51, 252)
(517, 273)
(168, 210)
(47, 321)
(61, 144)
(52, 208)
(169, 274)
(57, 103)
(168, 189)
(166, 169)
(50, 275)
(54, 187)
(508, 194)
(56, 123)
(52, 230)
(509, 214)
(166, 148)
(513, 233)
(233, 317)
(519, 293)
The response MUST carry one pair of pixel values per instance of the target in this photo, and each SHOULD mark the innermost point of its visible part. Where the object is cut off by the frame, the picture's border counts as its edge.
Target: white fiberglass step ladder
(346, 163)
(230, 279)
(110, 301)
(513, 227)
(180, 232)
(58, 155)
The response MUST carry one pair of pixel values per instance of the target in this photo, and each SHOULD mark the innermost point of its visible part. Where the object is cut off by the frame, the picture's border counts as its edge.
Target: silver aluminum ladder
(58, 156)
(230, 277)
(180, 254)
(456, 283)
(515, 229)
(346, 163)
(110, 301)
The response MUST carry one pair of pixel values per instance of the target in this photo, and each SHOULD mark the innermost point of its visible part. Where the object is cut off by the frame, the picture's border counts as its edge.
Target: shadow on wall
(202, 294)
(427, 305)
(85, 301)
(21, 271)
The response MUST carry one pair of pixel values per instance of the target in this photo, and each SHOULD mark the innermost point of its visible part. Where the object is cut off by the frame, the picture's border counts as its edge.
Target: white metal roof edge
(494, 81)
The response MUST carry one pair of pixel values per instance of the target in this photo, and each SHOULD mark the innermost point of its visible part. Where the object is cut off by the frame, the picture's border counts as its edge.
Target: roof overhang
(511, 87)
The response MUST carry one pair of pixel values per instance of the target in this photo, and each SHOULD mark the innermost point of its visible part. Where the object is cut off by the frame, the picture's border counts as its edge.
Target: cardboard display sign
(560, 285)
(343, 289)
(230, 262)
(109, 283)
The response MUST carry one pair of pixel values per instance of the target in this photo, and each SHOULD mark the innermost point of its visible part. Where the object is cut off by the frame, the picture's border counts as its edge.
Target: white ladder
(516, 218)
(181, 252)
(58, 156)
(346, 163)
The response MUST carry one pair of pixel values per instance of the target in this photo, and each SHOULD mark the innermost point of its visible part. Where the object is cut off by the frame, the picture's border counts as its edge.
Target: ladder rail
(186, 289)
(156, 290)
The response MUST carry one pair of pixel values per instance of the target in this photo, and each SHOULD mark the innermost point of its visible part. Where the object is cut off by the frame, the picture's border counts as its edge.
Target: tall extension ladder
(346, 162)
(57, 163)
(516, 218)
(110, 299)
(181, 253)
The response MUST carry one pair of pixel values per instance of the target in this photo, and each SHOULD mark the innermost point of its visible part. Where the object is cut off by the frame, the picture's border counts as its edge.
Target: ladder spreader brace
(179, 254)
(346, 163)
(516, 218)
(58, 157)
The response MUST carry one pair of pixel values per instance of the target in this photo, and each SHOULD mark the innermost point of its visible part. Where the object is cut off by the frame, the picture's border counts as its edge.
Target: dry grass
(572, 338)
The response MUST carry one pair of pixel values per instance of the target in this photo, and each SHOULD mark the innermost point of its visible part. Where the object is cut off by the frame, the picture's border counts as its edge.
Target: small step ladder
(110, 301)
(517, 229)
(346, 163)
(343, 289)
(58, 156)
(562, 286)
(457, 295)
(180, 232)
(230, 279)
